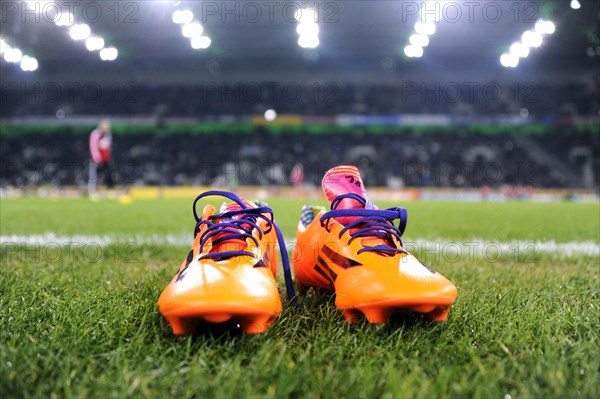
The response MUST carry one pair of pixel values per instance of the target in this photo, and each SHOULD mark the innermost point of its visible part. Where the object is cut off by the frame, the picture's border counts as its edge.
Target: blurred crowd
(565, 158)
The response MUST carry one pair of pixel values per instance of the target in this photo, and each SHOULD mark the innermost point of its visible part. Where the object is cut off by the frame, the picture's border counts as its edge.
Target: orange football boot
(356, 251)
(229, 274)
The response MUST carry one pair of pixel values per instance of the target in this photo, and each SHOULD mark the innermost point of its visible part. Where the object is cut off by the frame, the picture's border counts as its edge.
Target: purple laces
(226, 228)
(370, 223)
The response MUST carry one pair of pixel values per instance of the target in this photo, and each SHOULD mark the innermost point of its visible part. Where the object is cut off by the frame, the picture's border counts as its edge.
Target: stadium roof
(260, 37)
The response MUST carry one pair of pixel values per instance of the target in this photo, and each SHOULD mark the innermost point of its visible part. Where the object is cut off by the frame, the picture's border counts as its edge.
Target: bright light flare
(94, 43)
(413, 51)
(200, 42)
(307, 29)
(532, 39)
(13, 55)
(520, 50)
(575, 4)
(183, 16)
(193, 29)
(3, 46)
(304, 29)
(425, 28)
(80, 31)
(509, 60)
(545, 27)
(270, 115)
(306, 15)
(308, 42)
(29, 64)
(109, 54)
(419, 40)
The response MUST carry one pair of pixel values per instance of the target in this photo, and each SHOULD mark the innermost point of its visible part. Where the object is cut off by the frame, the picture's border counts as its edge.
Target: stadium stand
(561, 158)
(540, 100)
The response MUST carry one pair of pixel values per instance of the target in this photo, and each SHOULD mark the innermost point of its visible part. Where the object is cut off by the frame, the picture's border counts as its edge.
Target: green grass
(508, 221)
(73, 326)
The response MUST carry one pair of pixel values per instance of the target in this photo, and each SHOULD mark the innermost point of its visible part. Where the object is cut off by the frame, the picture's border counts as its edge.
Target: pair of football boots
(354, 250)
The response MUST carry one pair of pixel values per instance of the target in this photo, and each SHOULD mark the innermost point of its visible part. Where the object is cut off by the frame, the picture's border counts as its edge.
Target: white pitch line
(472, 247)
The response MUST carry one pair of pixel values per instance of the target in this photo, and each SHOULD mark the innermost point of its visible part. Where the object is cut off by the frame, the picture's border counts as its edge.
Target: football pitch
(79, 282)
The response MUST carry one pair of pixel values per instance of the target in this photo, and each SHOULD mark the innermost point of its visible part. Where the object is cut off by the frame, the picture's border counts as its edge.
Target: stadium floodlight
(545, 27)
(413, 51)
(519, 49)
(83, 32)
(64, 19)
(80, 31)
(13, 55)
(200, 42)
(425, 28)
(183, 17)
(419, 40)
(509, 60)
(575, 4)
(532, 39)
(417, 51)
(94, 43)
(308, 42)
(306, 15)
(307, 29)
(109, 54)
(270, 115)
(193, 29)
(29, 64)
(3, 46)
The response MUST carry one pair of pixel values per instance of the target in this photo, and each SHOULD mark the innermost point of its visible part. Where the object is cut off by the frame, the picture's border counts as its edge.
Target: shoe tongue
(345, 180)
(225, 207)
(233, 244)
(234, 206)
